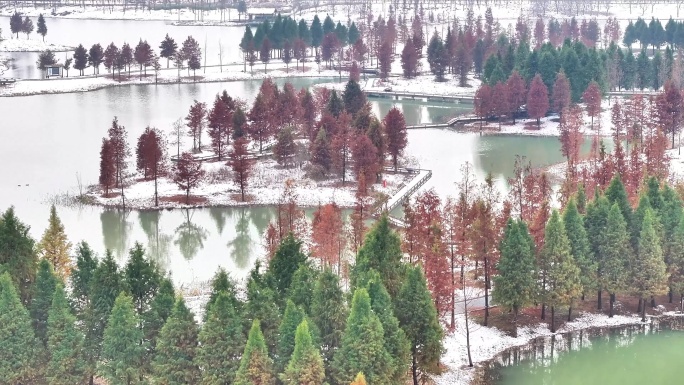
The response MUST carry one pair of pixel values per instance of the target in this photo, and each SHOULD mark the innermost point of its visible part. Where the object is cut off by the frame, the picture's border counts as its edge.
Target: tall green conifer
(122, 351)
(19, 345)
(649, 270)
(363, 346)
(418, 317)
(256, 367)
(175, 362)
(616, 252)
(65, 344)
(305, 365)
(221, 342)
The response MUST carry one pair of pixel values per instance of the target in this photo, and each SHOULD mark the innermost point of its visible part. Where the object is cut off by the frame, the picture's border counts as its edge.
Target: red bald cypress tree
(517, 93)
(107, 169)
(327, 235)
(241, 164)
(592, 98)
(395, 129)
(220, 122)
(188, 174)
(561, 93)
(364, 155)
(537, 100)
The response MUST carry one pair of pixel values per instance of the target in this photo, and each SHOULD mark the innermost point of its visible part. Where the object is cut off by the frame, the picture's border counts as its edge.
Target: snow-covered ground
(487, 342)
(33, 44)
(266, 186)
(208, 74)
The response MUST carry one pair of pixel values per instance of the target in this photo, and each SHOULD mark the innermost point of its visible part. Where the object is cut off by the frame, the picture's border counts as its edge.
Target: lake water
(634, 355)
(51, 140)
(213, 40)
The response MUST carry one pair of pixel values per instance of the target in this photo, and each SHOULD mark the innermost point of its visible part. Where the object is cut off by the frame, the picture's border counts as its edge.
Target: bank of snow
(265, 187)
(165, 76)
(487, 342)
(22, 44)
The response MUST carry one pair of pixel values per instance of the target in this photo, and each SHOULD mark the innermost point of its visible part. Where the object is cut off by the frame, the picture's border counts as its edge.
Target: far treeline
(72, 319)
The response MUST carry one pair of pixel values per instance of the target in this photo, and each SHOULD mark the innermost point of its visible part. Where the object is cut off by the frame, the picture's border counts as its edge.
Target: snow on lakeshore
(22, 44)
(422, 84)
(266, 186)
(91, 83)
(487, 342)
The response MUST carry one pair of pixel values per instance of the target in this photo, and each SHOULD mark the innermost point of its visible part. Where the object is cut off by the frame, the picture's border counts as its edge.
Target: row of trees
(295, 325)
(116, 58)
(25, 25)
(654, 34)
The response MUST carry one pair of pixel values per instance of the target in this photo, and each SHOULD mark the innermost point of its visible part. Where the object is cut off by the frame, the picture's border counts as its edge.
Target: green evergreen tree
(292, 317)
(316, 33)
(221, 342)
(581, 199)
(637, 220)
(65, 344)
(579, 245)
(655, 198)
(44, 291)
(616, 193)
(287, 259)
(54, 246)
(353, 96)
(329, 314)
(418, 317)
(86, 264)
(616, 252)
(676, 263)
(256, 367)
(122, 352)
(223, 283)
(141, 278)
(563, 280)
(19, 345)
(396, 343)
(649, 270)
(670, 216)
(354, 33)
(262, 304)
(302, 286)
(303, 32)
(596, 221)
(105, 287)
(305, 365)
(381, 251)
(363, 346)
(515, 285)
(155, 318)
(175, 362)
(17, 254)
(335, 104)
(643, 71)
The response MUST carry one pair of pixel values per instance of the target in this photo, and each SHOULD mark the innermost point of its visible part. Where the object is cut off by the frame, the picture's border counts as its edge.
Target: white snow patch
(30, 45)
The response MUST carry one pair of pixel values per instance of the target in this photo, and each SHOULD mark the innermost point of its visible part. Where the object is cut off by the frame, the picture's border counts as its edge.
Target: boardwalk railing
(420, 178)
(418, 95)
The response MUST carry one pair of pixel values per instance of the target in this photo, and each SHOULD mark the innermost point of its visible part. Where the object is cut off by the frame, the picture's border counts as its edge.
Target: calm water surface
(626, 356)
(49, 141)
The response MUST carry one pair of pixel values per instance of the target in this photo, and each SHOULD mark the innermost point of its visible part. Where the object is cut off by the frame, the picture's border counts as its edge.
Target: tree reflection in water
(115, 231)
(190, 237)
(218, 214)
(241, 246)
(158, 243)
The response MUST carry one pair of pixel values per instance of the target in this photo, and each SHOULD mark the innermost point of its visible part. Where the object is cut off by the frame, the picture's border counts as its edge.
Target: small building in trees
(266, 13)
(54, 71)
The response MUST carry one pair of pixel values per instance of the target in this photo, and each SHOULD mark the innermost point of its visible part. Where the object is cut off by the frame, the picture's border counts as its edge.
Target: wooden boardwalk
(396, 95)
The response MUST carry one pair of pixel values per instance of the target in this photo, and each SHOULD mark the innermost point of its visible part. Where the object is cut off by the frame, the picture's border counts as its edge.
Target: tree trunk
(543, 311)
(639, 305)
(643, 312)
(653, 304)
(414, 367)
(612, 303)
(599, 302)
(465, 312)
(187, 196)
(486, 317)
(553, 319)
(669, 295)
(570, 314)
(156, 196)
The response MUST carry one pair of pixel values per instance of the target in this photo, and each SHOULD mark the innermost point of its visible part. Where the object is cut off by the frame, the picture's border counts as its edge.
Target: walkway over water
(420, 178)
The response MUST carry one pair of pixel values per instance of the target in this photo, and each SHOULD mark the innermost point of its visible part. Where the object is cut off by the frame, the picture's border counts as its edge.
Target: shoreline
(91, 83)
(493, 343)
